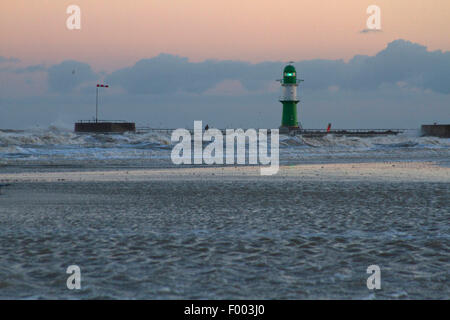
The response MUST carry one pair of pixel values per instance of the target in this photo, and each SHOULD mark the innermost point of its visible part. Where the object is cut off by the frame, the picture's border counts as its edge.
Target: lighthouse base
(286, 129)
(289, 115)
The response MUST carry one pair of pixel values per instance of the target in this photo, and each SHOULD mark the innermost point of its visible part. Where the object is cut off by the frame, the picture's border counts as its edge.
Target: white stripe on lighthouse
(289, 92)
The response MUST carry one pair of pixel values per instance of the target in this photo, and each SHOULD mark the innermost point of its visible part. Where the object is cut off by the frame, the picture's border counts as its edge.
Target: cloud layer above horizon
(402, 64)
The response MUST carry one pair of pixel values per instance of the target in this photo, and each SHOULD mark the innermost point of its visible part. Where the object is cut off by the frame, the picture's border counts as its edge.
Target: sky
(170, 62)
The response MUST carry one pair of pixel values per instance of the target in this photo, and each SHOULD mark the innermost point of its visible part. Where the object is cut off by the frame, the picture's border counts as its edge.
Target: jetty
(436, 130)
(104, 126)
(301, 132)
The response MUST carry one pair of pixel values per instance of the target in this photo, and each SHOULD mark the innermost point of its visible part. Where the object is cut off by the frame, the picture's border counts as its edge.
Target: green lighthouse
(289, 99)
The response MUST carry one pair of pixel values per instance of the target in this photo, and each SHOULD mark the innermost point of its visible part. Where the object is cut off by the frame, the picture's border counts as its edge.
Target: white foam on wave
(54, 136)
(56, 142)
(406, 140)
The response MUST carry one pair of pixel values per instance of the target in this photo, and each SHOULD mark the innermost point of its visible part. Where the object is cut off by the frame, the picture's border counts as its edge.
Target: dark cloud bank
(67, 75)
(401, 62)
(8, 60)
(401, 86)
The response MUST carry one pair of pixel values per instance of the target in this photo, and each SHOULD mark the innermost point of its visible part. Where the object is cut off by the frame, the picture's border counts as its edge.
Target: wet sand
(309, 232)
(373, 171)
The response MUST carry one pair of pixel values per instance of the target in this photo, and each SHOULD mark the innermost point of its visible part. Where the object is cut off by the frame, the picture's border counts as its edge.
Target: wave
(60, 143)
(54, 136)
(378, 142)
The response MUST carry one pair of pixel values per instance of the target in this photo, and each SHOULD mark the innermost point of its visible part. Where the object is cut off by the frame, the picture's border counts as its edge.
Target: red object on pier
(329, 127)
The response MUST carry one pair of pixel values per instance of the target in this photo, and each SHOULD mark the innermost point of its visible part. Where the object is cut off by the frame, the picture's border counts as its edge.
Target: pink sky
(118, 33)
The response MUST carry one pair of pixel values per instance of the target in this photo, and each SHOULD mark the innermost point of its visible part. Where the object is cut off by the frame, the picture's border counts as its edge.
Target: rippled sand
(227, 233)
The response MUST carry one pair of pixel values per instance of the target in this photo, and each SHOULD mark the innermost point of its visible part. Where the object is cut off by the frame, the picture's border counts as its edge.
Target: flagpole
(96, 99)
(96, 106)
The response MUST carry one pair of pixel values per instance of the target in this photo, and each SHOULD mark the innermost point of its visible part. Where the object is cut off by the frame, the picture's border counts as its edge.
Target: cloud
(333, 89)
(68, 75)
(29, 69)
(168, 74)
(403, 61)
(400, 61)
(227, 88)
(9, 60)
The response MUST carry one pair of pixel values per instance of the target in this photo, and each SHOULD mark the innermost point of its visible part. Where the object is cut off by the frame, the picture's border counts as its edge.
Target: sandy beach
(373, 171)
(309, 232)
